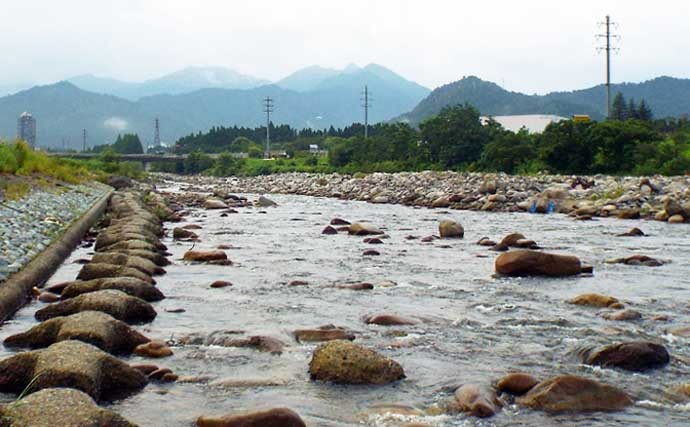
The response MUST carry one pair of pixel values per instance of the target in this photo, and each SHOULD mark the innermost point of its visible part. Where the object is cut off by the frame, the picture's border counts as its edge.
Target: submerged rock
(388, 320)
(329, 230)
(265, 202)
(637, 260)
(277, 417)
(323, 334)
(594, 300)
(116, 303)
(569, 393)
(636, 356)
(206, 256)
(153, 349)
(347, 363)
(476, 401)
(71, 364)
(363, 229)
(622, 315)
(59, 407)
(534, 263)
(516, 383)
(93, 327)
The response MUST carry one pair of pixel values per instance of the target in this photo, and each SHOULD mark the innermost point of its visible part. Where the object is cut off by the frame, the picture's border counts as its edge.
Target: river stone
(475, 400)
(339, 221)
(205, 256)
(71, 364)
(569, 393)
(594, 300)
(182, 233)
(142, 264)
(265, 202)
(316, 335)
(363, 229)
(676, 219)
(93, 327)
(388, 320)
(214, 204)
(277, 417)
(130, 245)
(111, 237)
(329, 230)
(516, 383)
(99, 270)
(153, 349)
(636, 356)
(633, 232)
(623, 315)
(448, 228)
(129, 285)
(534, 263)
(672, 207)
(637, 260)
(511, 239)
(153, 256)
(116, 303)
(59, 407)
(343, 362)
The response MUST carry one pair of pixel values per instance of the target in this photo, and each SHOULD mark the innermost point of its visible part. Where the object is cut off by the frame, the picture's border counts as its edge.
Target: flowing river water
(473, 328)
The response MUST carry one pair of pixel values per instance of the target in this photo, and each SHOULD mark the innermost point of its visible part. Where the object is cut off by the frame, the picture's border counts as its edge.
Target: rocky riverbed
(294, 310)
(29, 225)
(583, 197)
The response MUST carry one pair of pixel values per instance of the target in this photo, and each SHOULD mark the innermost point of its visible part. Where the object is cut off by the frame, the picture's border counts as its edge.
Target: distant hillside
(186, 80)
(62, 109)
(667, 96)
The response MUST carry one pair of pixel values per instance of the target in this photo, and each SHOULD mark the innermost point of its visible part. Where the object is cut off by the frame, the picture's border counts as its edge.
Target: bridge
(145, 159)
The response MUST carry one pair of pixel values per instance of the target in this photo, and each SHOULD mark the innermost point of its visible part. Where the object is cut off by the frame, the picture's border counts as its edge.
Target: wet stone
(277, 417)
(116, 303)
(70, 364)
(59, 407)
(343, 362)
(129, 285)
(92, 327)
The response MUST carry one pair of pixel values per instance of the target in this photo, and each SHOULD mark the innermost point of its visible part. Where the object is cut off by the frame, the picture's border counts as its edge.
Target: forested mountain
(667, 97)
(62, 110)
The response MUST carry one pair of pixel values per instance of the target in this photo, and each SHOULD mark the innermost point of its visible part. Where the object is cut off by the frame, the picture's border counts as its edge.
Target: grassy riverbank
(22, 169)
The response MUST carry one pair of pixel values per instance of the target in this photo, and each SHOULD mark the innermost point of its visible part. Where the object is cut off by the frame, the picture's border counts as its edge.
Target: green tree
(615, 144)
(644, 112)
(455, 137)
(128, 144)
(619, 109)
(197, 162)
(632, 112)
(507, 151)
(564, 147)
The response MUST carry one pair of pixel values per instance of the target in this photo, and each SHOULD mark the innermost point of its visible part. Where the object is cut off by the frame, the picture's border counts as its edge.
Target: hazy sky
(533, 46)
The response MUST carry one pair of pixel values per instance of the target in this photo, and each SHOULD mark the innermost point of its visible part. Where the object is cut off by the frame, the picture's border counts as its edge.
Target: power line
(366, 104)
(268, 109)
(608, 37)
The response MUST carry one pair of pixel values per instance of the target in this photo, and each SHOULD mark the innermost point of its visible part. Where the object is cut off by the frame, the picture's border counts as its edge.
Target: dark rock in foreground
(277, 417)
(569, 393)
(534, 263)
(59, 407)
(71, 364)
(637, 356)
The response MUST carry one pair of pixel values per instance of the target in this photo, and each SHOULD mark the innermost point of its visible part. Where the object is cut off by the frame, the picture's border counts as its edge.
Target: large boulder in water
(450, 228)
(344, 362)
(516, 383)
(93, 327)
(265, 202)
(569, 393)
(71, 364)
(276, 417)
(129, 285)
(637, 356)
(59, 407)
(535, 263)
(116, 303)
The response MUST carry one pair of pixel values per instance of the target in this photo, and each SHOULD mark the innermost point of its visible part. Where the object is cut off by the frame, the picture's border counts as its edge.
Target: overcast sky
(532, 46)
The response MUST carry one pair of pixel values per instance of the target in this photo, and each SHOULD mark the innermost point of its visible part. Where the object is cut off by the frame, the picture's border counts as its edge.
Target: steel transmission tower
(366, 104)
(268, 109)
(608, 37)
(156, 133)
(83, 138)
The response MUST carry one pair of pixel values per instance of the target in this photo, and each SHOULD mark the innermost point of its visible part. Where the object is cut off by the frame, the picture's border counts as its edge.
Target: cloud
(117, 123)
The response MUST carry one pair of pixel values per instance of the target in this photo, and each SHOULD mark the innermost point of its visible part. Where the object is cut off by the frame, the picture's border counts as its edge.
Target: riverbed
(472, 327)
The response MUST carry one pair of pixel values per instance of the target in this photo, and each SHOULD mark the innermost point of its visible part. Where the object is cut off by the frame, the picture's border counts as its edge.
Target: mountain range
(196, 99)
(667, 97)
(314, 97)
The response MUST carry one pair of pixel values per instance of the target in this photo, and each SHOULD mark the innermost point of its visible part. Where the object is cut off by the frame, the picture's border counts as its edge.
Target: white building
(534, 123)
(26, 128)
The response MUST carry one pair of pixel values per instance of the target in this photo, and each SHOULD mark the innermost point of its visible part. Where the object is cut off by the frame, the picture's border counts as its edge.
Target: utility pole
(366, 103)
(268, 109)
(83, 137)
(156, 133)
(608, 36)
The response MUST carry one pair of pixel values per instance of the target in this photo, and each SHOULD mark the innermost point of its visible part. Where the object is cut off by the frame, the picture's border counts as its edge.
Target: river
(473, 328)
